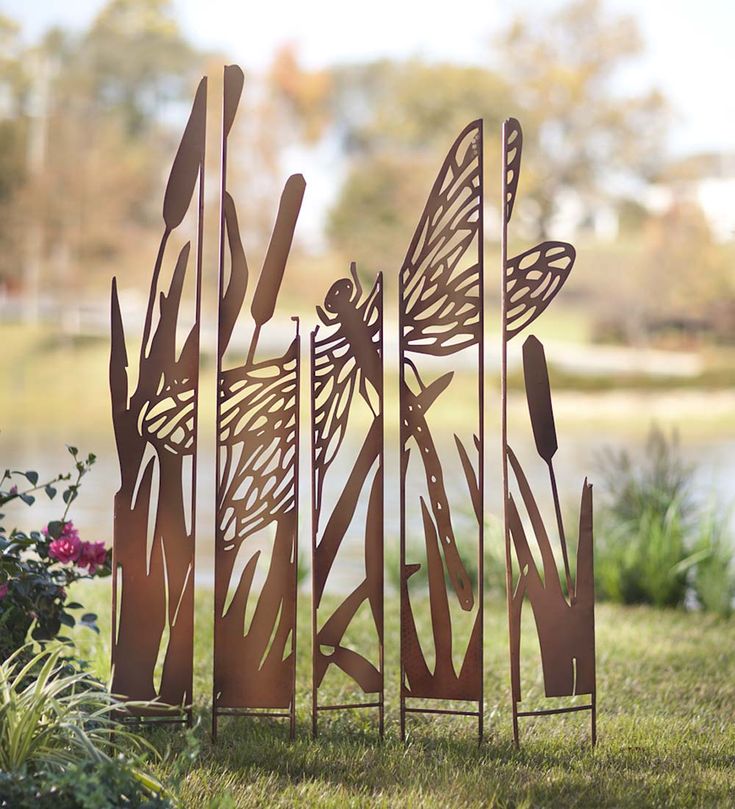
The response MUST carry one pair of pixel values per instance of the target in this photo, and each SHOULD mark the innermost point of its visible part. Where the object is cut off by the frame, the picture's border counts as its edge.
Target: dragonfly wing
(335, 376)
(532, 280)
(440, 276)
(257, 439)
(512, 149)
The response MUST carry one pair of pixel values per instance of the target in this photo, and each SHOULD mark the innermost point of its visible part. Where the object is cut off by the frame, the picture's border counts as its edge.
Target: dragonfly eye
(339, 295)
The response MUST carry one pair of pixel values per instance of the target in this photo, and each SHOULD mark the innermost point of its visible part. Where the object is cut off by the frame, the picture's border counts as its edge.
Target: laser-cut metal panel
(564, 615)
(347, 362)
(257, 470)
(156, 436)
(441, 317)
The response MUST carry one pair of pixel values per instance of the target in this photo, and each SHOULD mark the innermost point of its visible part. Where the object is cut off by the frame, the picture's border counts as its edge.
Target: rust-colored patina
(156, 437)
(257, 456)
(564, 615)
(441, 316)
(348, 358)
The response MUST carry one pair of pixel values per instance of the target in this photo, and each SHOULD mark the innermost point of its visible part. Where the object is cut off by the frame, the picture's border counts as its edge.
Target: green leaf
(28, 499)
(88, 618)
(67, 620)
(50, 491)
(46, 630)
(55, 527)
(74, 605)
(32, 477)
(72, 450)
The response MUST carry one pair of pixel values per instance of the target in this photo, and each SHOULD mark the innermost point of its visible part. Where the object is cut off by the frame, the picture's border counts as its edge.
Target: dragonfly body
(358, 326)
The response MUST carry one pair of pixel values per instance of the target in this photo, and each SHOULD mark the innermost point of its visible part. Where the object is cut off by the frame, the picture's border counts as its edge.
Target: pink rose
(65, 550)
(67, 547)
(4, 590)
(92, 556)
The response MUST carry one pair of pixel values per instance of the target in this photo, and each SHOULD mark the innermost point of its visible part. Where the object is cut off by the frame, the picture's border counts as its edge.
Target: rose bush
(36, 568)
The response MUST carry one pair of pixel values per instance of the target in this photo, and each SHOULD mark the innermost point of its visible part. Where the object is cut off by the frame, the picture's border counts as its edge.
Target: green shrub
(654, 542)
(638, 561)
(652, 481)
(36, 568)
(713, 577)
(83, 785)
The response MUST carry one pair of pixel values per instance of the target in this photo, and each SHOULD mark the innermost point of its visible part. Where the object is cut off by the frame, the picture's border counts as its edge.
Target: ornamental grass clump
(657, 543)
(713, 577)
(52, 720)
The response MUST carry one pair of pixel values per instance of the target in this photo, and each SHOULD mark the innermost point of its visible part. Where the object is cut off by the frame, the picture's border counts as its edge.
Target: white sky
(690, 51)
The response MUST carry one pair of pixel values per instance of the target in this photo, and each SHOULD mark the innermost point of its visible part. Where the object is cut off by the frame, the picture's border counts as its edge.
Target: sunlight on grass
(665, 732)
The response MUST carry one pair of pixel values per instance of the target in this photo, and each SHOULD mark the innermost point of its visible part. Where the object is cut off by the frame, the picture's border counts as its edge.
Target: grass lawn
(666, 683)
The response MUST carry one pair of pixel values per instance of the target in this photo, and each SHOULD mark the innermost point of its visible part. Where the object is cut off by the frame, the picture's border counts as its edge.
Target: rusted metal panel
(257, 456)
(440, 315)
(156, 437)
(347, 360)
(563, 613)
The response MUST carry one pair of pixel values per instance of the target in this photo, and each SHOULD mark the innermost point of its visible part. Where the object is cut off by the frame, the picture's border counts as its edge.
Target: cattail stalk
(274, 265)
(538, 395)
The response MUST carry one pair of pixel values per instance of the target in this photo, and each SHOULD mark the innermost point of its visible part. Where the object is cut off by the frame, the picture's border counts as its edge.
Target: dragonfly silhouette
(347, 360)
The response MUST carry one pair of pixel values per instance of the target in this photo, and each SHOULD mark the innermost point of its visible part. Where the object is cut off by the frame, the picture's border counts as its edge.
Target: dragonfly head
(339, 297)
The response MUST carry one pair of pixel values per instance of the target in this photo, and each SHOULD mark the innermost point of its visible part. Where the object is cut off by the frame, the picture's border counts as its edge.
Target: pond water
(585, 427)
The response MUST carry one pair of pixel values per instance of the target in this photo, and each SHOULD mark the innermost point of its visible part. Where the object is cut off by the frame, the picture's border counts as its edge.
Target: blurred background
(629, 154)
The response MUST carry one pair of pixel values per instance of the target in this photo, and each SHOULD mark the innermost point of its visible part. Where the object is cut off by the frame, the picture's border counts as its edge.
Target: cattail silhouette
(234, 80)
(271, 276)
(182, 180)
(538, 395)
(186, 165)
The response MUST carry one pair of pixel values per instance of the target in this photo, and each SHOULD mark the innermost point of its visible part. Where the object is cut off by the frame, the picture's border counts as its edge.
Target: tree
(373, 216)
(13, 135)
(91, 132)
(396, 121)
(390, 123)
(684, 271)
(133, 61)
(301, 96)
(562, 69)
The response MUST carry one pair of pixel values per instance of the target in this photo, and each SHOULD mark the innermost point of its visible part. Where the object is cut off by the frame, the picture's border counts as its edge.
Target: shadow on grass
(442, 761)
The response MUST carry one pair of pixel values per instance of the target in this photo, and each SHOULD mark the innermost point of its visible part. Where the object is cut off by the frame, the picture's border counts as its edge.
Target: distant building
(707, 180)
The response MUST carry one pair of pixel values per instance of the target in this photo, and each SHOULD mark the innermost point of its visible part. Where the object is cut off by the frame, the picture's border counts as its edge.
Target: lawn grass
(666, 683)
